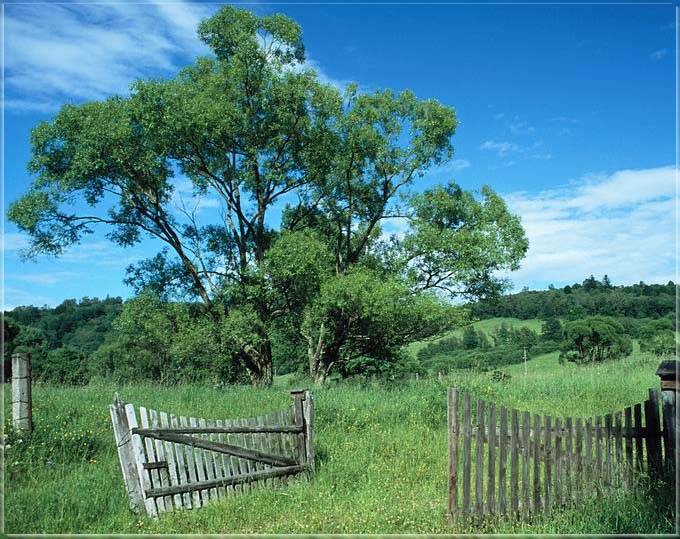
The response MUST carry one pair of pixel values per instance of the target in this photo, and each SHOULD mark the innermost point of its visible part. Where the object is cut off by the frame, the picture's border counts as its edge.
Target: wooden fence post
(453, 450)
(304, 413)
(22, 402)
(123, 437)
(668, 374)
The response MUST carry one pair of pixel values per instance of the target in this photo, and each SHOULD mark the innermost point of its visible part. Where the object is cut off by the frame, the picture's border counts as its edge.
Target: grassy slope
(487, 326)
(381, 452)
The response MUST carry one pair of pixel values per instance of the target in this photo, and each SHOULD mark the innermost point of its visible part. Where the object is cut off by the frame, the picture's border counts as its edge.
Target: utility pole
(525, 361)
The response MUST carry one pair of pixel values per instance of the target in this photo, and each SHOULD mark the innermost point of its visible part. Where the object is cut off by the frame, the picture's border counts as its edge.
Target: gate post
(668, 373)
(22, 401)
(304, 414)
(123, 437)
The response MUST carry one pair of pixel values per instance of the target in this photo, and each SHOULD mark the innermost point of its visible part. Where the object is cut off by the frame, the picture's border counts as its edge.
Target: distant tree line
(589, 298)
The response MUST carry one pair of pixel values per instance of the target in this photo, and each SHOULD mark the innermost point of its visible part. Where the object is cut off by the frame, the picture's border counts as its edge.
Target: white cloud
(79, 52)
(622, 224)
(501, 148)
(50, 278)
(58, 53)
(658, 55)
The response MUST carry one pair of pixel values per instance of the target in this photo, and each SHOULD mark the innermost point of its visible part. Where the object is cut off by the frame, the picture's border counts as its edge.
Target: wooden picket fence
(170, 462)
(514, 464)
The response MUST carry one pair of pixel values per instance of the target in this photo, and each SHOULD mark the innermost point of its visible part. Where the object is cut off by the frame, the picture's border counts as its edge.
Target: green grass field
(381, 456)
(487, 326)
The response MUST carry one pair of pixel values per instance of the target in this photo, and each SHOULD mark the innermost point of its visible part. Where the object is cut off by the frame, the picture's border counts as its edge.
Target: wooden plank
(233, 480)
(558, 462)
(199, 458)
(569, 461)
(160, 455)
(618, 471)
(224, 465)
(154, 475)
(668, 408)
(537, 464)
(235, 462)
(182, 465)
(547, 463)
(526, 427)
(196, 498)
(244, 453)
(514, 464)
(467, 450)
(637, 409)
(128, 465)
(479, 461)
(284, 447)
(608, 447)
(258, 442)
(215, 464)
(654, 432)
(578, 487)
(137, 447)
(628, 423)
(173, 472)
(491, 467)
(452, 423)
(246, 429)
(308, 417)
(502, 461)
(588, 470)
(598, 450)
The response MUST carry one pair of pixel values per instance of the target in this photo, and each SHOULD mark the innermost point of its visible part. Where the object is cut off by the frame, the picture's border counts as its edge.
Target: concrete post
(22, 405)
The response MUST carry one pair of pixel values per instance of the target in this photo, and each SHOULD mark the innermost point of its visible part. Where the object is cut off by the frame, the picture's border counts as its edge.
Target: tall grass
(381, 457)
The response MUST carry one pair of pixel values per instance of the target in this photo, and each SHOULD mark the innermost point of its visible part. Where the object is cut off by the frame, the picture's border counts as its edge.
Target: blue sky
(568, 111)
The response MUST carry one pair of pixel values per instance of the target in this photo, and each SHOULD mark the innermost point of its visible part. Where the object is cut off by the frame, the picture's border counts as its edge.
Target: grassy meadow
(381, 456)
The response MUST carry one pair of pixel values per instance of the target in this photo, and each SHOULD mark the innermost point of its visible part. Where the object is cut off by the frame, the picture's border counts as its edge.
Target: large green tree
(251, 127)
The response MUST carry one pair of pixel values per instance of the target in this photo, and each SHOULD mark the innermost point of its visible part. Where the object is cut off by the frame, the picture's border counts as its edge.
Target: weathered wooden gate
(170, 462)
(514, 463)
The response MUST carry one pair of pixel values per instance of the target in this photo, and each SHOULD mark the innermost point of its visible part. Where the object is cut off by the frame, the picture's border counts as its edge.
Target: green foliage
(663, 344)
(551, 330)
(594, 339)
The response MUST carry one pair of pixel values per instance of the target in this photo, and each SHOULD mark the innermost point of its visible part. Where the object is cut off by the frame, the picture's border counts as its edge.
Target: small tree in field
(594, 339)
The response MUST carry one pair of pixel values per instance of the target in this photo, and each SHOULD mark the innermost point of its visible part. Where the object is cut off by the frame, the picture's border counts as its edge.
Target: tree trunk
(259, 365)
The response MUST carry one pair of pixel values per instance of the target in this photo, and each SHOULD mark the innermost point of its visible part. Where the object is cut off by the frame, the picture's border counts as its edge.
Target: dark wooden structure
(512, 464)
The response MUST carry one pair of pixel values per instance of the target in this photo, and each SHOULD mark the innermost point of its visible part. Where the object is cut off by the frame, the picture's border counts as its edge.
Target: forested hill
(591, 297)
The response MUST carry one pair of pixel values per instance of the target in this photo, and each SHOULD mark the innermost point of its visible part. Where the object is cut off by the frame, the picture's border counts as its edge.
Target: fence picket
(182, 464)
(619, 448)
(579, 460)
(638, 436)
(199, 459)
(598, 449)
(160, 454)
(452, 418)
(547, 458)
(208, 462)
(569, 426)
(173, 471)
(467, 449)
(653, 433)
(537, 464)
(216, 459)
(608, 447)
(502, 460)
(479, 460)
(628, 422)
(514, 465)
(526, 426)
(154, 475)
(191, 465)
(558, 461)
(225, 465)
(491, 468)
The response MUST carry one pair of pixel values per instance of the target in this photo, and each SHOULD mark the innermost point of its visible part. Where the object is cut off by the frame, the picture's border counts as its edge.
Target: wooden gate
(513, 463)
(170, 462)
